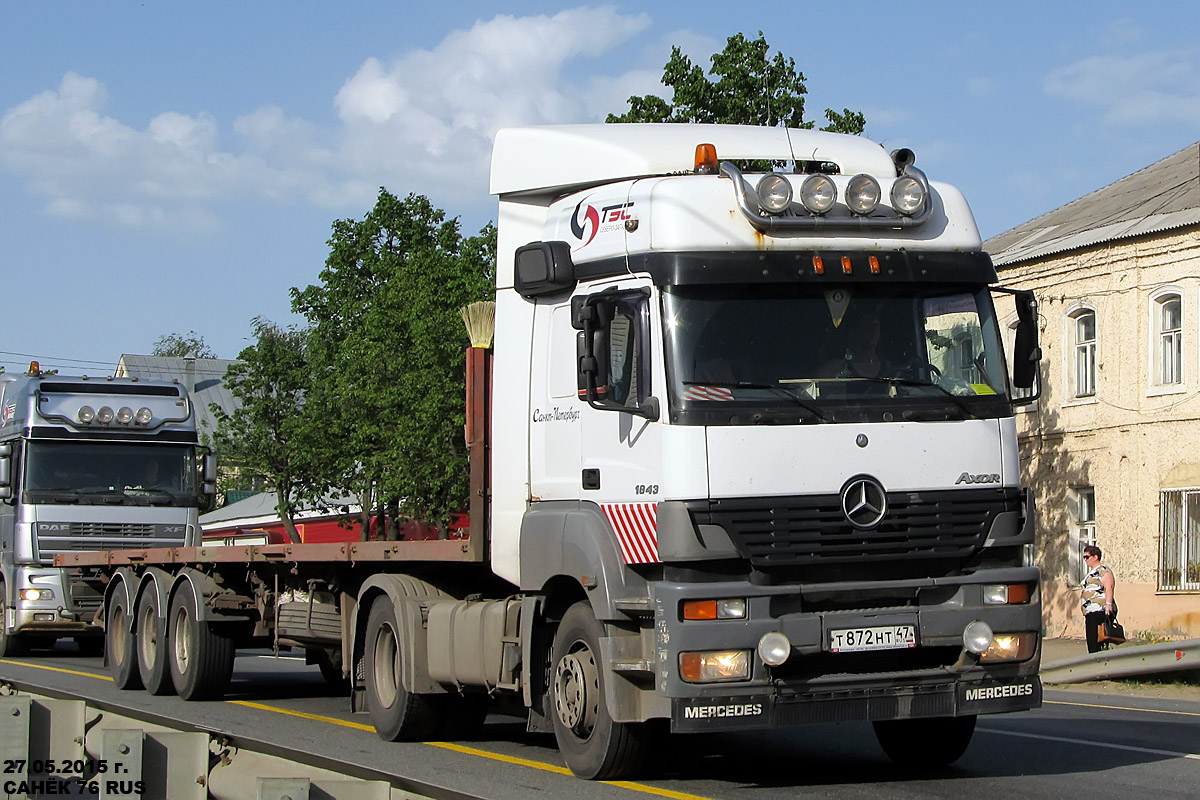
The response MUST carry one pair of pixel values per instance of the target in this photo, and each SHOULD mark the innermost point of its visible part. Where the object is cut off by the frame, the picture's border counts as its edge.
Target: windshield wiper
(780, 391)
(915, 413)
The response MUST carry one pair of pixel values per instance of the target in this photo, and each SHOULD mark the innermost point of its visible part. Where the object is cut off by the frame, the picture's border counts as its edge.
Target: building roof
(259, 509)
(204, 378)
(1163, 196)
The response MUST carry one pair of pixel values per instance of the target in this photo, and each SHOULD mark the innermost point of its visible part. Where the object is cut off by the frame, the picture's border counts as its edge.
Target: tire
(925, 743)
(11, 645)
(398, 714)
(592, 744)
(151, 642)
(120, 642)
(200, 658)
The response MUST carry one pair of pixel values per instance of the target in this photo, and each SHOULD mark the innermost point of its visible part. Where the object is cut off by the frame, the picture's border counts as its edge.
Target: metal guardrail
(1125, 661)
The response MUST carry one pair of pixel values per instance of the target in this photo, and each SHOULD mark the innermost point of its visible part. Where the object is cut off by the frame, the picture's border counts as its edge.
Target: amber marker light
(706, 159)
(846, 268)
(873, 261)
(818, 265)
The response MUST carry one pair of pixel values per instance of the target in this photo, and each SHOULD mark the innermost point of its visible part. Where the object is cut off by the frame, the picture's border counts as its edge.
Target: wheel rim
(179, 635)
(147, 635)
(386, 663)
(117, 634)
(577, 690)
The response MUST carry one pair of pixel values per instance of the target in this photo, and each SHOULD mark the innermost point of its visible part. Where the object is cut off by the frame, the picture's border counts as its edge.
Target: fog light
(862, 194)
(143, 416)
(86, 414)
(35, 595)
(978, 636)
(714, 666)
(104, 415)
(908, 195)
(774, 648)
(1011, 647)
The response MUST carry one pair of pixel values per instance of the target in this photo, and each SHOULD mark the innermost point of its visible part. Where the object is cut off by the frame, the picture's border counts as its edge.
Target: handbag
(1111, 631)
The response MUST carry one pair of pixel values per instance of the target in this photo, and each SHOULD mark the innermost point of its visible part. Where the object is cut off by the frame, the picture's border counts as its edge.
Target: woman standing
(1099, 596)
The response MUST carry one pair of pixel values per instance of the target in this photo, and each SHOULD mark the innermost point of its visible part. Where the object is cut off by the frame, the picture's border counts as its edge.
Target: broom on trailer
(480, 319)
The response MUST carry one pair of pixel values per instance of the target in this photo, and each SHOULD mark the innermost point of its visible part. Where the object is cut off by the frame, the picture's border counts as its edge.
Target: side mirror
(1026, 351)
(542, 268)
(593, 317)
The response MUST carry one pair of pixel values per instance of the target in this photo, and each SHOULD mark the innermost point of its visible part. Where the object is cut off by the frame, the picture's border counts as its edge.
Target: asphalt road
(1080, 744)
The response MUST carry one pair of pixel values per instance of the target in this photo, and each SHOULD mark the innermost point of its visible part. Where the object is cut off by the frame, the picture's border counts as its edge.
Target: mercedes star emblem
(864, 502)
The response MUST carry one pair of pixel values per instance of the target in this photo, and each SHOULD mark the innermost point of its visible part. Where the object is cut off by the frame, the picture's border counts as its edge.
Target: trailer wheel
(152, 645)
(592, 744)
(398, 714)
(201, 659)
(120, 641)
(927, 742)
(11, 645)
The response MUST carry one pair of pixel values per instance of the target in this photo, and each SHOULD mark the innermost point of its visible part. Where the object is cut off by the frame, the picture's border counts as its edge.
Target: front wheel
(201, 659)
(925, 743)
(592, 744)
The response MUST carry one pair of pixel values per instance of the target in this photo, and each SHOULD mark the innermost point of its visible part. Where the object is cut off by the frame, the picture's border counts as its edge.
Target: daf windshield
(801, 353)
(110, 473)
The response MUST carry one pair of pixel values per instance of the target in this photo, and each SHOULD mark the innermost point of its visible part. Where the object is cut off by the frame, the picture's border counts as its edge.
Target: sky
(176, 167)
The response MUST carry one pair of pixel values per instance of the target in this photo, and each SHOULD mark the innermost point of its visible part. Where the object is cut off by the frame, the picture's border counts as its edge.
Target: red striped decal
(703, 392)
(636, 526)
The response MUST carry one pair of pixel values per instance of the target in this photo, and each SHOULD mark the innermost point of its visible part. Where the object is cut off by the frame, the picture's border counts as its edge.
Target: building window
(1083, 529)
(1168, 340)
(1179, 542)
(1083, 331)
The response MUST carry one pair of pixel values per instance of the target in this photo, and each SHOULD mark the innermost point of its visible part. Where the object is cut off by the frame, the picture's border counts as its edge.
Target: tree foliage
(751, 87)
(268, 434)
(387, 349)
(181, 345)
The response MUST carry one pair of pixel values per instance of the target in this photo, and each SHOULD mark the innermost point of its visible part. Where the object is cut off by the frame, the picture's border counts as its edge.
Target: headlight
(86, 414)
(774, 648)
(34, 595)
(104, 415)
(862, 194)
(774, 194)
(978, 637)
(1010, 647)
(714, 666)
(908, 195)
(125, 415)
(143, 416)
(818, 193)
(1005, 594)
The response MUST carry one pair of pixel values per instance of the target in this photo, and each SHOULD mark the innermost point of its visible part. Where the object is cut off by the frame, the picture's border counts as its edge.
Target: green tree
(388, 347)
(267, 434)
(181, 345)
(751, 88)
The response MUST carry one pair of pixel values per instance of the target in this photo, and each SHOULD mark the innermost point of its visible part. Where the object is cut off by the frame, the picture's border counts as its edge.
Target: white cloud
(421, 122)
(1142, 89)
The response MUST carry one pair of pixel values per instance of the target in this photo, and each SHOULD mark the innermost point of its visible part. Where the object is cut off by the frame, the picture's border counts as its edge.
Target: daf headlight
(104, 415)
(143, 416)
(125, 415)
(774, 194)
(863, 194)
(908, 195)
(86, 414)
(35, 595)
(818, 193)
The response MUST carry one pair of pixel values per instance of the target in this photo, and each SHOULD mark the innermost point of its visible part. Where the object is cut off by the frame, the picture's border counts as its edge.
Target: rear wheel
(592, 744)
(398, 714)
(201, 659)
(120, 641)
(925, 743)
(152, 644)
(10, 643)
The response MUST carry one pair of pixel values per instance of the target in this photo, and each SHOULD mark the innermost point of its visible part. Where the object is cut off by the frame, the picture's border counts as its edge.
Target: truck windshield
(110, 473)
(810, 353)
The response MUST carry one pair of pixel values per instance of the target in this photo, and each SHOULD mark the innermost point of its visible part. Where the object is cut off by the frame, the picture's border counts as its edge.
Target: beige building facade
(1112, 447)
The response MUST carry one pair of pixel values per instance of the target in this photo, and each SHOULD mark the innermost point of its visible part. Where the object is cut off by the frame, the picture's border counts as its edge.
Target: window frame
(1083, 530)
(1178, 542)
(1087, 349)
(1158, 301)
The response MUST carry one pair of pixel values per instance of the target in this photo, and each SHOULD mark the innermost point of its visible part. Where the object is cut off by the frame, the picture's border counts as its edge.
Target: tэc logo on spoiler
(592, 221)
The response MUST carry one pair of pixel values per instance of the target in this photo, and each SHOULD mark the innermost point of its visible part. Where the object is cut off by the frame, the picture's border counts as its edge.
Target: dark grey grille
(75, 537)
(788, 531)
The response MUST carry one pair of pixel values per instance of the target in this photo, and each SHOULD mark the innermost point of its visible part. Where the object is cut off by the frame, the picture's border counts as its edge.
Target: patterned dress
(1094, 596)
